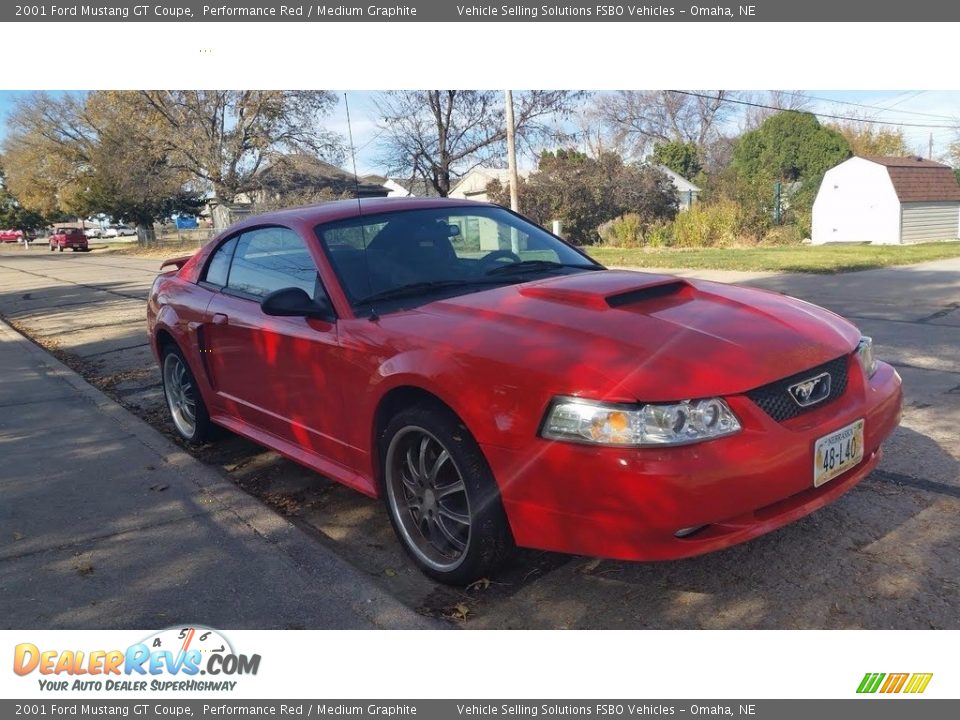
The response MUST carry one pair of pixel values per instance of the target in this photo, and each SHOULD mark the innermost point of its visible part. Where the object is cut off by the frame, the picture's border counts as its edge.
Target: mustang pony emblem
(811, 391)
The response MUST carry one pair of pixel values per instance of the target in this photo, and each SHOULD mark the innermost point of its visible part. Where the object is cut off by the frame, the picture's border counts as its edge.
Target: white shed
(887, 200)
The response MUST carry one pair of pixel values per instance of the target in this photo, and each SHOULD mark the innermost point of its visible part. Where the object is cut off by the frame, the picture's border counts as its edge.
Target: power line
(881, 108)
(811, 112)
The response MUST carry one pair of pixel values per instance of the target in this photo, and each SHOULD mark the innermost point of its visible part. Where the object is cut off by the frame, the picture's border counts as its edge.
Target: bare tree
(639, 118)
(223, 137)
(436, 135)
(770, 102)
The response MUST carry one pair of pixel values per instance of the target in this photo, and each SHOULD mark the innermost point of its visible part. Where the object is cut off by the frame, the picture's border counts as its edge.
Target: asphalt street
(883, 556)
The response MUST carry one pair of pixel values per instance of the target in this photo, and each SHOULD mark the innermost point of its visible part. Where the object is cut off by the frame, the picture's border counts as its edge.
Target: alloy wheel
(181, 396)
(428, 498)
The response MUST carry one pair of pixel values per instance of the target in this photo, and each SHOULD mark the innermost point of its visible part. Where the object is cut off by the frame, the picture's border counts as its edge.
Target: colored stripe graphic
(918, 682)
(894, 683)
(870, 682)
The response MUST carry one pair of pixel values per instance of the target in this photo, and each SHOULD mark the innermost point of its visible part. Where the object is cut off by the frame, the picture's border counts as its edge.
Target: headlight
(865, 356)
(600, 423)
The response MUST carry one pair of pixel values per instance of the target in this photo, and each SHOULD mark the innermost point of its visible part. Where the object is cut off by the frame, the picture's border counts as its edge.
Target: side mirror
(294, 302)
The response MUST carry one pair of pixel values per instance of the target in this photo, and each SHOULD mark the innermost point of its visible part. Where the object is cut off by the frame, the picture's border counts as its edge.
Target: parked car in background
(498, 388)
(93, 232)
(73, 238)
(119, 231)
(11, 236)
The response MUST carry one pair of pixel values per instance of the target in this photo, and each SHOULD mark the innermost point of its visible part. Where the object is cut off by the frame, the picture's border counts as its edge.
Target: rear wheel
(186, 406)
(443, 501)
(60, 248)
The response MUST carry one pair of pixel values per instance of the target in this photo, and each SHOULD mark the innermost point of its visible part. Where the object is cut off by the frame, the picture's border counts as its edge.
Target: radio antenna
(353, 158)
(356, 188)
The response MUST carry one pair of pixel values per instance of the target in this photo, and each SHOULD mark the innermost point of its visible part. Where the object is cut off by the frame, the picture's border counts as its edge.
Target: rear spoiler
(177, 262)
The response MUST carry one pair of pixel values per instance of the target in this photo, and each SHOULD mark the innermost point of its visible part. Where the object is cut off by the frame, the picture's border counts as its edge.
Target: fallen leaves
(458, 612)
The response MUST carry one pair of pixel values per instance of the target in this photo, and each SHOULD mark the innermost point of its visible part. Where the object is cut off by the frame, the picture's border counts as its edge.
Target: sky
(920, 113)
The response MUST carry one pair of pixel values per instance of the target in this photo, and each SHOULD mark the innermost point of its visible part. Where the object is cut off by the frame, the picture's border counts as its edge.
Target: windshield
(413, 256)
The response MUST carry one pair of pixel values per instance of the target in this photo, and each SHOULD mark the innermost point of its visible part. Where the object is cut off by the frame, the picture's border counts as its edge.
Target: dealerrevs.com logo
(171, 659)
(888, 683)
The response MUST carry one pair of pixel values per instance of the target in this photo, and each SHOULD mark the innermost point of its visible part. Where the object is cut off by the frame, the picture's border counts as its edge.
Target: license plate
(837, 452)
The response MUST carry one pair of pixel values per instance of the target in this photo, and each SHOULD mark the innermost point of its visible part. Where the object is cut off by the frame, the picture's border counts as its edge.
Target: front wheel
(52, 248)
(443, 501)
(186, 406)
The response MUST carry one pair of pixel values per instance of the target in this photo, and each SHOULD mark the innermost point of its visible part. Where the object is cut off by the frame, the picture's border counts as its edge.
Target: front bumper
(629, 503)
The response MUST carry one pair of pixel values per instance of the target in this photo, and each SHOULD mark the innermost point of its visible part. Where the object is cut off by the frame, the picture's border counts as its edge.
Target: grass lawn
(803, 258)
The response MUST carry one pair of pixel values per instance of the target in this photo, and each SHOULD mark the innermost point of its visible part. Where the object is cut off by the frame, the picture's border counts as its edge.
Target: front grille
(775, 399)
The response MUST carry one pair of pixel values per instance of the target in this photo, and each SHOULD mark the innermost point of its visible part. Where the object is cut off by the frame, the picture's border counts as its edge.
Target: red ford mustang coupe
(497, 387)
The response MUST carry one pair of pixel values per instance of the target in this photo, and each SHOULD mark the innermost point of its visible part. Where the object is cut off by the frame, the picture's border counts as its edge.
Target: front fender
(497, 405)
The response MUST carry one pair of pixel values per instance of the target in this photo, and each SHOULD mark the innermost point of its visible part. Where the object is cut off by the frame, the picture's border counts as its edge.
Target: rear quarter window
(218, 270)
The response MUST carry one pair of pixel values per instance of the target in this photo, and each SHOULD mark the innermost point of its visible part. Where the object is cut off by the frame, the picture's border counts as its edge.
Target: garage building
(887, 200)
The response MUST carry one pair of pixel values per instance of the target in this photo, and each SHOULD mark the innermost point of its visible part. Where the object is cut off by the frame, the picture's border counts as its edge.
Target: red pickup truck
(73, 238)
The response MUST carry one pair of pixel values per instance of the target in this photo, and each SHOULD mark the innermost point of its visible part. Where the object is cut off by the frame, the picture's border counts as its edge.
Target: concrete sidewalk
(104, 523)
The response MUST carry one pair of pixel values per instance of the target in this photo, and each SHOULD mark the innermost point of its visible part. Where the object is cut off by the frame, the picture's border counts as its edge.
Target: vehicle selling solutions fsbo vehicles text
(602, 11)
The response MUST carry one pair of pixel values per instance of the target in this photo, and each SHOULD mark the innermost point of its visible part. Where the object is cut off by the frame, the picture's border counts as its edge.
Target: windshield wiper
(534, 265)
(422, 288)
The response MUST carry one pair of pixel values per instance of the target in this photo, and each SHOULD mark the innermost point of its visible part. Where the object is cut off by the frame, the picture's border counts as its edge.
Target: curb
(378, 607)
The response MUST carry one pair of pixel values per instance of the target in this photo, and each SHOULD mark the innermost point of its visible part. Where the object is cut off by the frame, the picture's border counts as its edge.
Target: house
(373, 179)
(887, 200)
(290, 180)
(407, 187)
(304, 176)
(687, 192)
(473, 185)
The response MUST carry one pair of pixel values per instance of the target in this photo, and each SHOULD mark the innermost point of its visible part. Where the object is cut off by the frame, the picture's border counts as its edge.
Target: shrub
(584, 192)
(709, 225)
(624, 231)
(630, 230)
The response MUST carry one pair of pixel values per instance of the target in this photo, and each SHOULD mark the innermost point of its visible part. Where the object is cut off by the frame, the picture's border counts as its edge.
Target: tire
(185, 404)
(52, 248)
(441, 496)
(60, 248)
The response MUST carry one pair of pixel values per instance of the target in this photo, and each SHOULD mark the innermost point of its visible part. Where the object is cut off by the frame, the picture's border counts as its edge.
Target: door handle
(220, 319)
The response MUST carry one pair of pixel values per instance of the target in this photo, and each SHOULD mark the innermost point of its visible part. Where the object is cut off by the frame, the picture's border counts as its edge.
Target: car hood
(641, 336)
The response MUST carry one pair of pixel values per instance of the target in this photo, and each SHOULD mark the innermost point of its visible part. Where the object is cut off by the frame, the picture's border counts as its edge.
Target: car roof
(344, 209)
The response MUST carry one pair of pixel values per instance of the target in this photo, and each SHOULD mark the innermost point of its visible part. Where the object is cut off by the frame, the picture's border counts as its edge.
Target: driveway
(883, 556)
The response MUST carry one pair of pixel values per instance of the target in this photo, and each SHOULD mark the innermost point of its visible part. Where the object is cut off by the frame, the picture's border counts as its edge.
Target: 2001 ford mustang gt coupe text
(496, 387)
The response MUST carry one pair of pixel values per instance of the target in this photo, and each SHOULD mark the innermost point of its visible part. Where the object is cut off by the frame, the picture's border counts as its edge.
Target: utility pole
(930, 149)
(512, 153)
